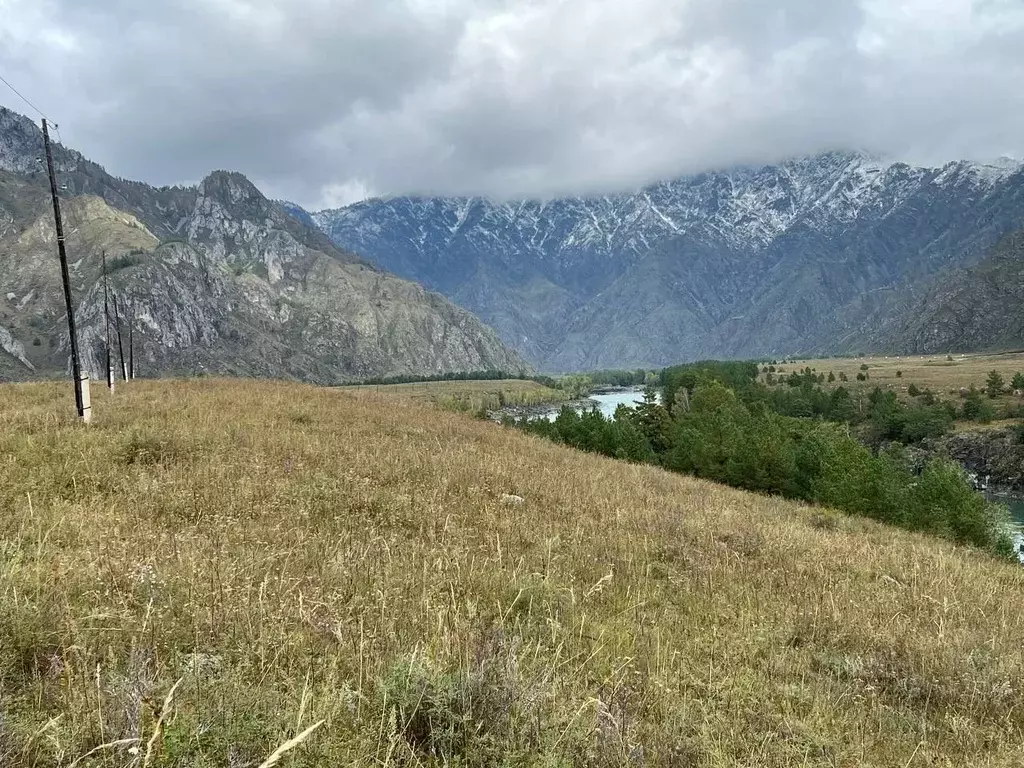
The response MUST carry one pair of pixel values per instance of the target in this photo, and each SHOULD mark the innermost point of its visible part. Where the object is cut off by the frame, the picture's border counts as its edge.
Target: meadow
(421, 588)
(475, 397)
(935, 372)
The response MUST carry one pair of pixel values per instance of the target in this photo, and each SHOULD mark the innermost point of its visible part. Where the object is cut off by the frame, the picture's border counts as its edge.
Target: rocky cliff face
(994, 456)
(980, 307)
(214, 278)
(806, 256)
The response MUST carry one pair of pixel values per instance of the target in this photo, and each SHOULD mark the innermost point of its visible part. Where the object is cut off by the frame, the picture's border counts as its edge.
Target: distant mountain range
(818, 255)
(215, 278)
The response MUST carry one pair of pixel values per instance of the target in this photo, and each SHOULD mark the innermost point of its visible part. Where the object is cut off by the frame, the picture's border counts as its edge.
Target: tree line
(489, 375)
(717, 422)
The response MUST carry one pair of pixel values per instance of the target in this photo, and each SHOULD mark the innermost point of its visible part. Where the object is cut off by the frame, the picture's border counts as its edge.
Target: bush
(975, 408)
(913, 391)
(994, 384)
(576, 386)
(899, 374)
(124, 261)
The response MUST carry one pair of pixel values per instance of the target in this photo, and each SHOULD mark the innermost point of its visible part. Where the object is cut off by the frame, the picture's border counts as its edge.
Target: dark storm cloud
(320, 101)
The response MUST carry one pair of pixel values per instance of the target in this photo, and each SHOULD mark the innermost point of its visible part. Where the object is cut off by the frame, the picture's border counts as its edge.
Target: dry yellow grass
(926, 371)
(300, 555)
(470, 396)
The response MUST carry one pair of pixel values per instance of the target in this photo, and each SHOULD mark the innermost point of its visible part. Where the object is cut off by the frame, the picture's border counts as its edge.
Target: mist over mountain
(804, 257)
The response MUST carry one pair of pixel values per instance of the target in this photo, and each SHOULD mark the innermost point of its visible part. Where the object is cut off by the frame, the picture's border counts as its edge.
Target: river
(606, 402)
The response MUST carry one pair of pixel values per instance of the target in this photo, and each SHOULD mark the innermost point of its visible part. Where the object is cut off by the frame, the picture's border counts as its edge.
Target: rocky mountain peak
(743, 261)
(21, 143)
(213, 278)
(232, 188)
(22, 150)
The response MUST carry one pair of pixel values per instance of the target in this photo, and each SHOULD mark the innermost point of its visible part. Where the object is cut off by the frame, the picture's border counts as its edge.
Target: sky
(324, 102)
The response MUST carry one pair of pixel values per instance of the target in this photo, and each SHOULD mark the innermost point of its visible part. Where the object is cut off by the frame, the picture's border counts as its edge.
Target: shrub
(913, 391)
(576, 386)
(994, 384)
(899, 374)
(126, 260)
(1018, 381)
(975, 408)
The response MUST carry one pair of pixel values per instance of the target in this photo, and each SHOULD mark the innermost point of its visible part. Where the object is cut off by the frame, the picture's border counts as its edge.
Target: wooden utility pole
(131, 342)
(106, 326)
(82, 400)
(120, 344)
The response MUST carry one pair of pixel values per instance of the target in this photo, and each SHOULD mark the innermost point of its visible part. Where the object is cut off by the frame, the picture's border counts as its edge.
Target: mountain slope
(214, 278)
(977, 308)
(744, 263)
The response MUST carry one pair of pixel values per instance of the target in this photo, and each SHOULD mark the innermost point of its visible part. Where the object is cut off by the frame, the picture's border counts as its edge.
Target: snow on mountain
(845, 224)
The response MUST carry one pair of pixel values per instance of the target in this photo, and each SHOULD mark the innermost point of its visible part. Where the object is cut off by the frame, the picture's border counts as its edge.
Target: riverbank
(996, 456)
(994, 460)
(605, 399)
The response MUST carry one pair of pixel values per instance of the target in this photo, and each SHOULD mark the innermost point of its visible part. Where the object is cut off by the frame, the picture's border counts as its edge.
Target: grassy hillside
(294, 555)
(475, 397)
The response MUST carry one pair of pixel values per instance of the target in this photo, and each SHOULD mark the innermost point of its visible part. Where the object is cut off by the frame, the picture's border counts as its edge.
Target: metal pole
(76, 367)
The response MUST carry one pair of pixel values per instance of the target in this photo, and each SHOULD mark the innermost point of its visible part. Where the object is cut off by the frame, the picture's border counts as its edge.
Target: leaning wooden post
(80, 379)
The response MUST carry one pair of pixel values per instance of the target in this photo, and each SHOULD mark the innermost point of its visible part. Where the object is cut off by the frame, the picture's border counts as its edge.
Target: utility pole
(82, 400)
(106, 325)
(131, 342)
(120, 344)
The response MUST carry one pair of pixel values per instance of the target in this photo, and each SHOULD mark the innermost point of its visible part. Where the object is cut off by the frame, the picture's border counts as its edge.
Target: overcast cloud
(323, 101)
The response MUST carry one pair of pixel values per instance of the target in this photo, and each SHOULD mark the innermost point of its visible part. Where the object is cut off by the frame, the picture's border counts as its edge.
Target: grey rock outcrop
(214, 279)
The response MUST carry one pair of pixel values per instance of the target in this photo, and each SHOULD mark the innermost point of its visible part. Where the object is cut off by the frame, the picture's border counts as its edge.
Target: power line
(23, 98)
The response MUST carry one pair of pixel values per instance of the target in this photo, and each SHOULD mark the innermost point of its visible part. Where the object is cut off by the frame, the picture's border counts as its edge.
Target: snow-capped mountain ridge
(758, 222)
